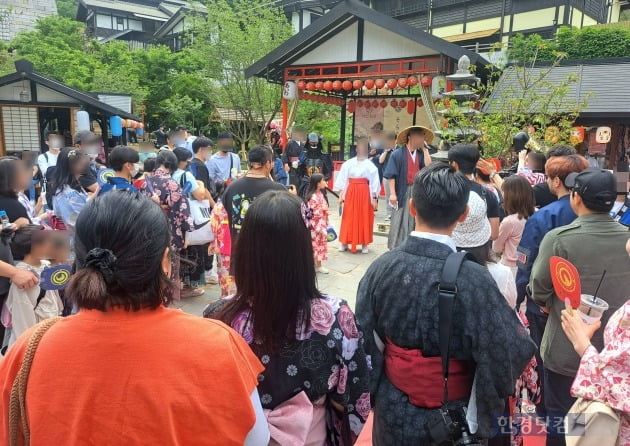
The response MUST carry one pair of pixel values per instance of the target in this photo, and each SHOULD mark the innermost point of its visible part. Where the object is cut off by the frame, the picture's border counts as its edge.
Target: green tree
(234, 36)
(67, 8)
(180, 110)
(594, 42)
(524, 100)
(58, 47)
(323, 119)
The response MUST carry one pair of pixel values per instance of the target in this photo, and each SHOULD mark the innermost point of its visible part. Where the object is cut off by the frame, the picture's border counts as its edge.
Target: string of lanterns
(398, 104)
(369, 84)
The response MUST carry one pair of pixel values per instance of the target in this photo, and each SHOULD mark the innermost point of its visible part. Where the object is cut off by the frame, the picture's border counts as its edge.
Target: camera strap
(447, 290)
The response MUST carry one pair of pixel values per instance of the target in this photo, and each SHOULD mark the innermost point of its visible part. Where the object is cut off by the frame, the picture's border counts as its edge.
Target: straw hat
(402, 136)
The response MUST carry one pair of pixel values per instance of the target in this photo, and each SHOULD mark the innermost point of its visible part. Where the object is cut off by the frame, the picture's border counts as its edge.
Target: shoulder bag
(18, 419)
(591, 423)
(200, 211)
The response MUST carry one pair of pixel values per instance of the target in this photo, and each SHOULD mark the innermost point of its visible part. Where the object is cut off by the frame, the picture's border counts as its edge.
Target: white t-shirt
(504, 278)
(46, 160)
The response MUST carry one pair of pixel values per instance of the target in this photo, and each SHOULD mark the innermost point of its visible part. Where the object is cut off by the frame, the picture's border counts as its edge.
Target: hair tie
(102, 260)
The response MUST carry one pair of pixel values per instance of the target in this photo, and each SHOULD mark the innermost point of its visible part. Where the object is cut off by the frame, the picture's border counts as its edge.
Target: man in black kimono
(313, 160)
(397, 306)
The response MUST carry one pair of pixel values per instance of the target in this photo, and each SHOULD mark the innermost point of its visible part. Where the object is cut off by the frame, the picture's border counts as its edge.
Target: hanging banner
(368, 118)
(397, 118)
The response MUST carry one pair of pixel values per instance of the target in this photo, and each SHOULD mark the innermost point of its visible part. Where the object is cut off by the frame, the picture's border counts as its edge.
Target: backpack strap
(447, 291)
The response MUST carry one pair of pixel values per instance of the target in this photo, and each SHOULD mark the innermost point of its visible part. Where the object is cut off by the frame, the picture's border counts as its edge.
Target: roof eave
(345, 10)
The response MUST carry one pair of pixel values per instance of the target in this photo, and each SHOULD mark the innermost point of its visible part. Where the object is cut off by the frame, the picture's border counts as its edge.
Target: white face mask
(55, 144)
(136, 170)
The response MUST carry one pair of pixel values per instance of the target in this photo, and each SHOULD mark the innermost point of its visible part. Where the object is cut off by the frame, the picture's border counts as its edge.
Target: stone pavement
(346, 269)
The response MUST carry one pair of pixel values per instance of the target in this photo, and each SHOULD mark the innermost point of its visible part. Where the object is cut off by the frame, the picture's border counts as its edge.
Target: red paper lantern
(351, 106)
(402, 82)
(328, 85)
(412, 81)
(411, 107)
(380, 83)
(357, 84)
(368, 104)
(310, 86)
(319, 85)
(383, 103)
(375, 103)
(419, 103)
(426, 81)
(347, 85)
(394, 103)
(369, 84)
(301, 85)
(336, 85)
(402, 103)
(360, 103)
(392, 83)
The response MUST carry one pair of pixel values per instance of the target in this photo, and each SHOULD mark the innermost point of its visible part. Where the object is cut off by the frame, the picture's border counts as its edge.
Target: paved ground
(346, 269)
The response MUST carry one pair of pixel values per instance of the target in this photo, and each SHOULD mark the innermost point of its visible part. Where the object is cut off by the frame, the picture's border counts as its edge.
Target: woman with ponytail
(139, 372)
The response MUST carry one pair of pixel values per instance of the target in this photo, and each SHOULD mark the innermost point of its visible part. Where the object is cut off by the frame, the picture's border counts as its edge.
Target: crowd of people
(459, 331)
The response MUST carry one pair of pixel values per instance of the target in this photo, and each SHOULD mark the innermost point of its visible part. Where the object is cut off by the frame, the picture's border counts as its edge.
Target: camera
(452, 429)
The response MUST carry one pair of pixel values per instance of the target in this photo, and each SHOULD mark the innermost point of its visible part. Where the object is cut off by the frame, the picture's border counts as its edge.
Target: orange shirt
(158, 377)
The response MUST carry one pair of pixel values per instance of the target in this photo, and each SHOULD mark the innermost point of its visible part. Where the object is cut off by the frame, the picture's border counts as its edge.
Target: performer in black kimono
(397, 305)
(291, 155)
(313, 160)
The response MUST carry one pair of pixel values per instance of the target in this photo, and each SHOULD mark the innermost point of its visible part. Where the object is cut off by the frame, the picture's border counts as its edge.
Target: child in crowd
(318, 204)
(31, 248)
(518, 202)
(60, 255)
(221, 247)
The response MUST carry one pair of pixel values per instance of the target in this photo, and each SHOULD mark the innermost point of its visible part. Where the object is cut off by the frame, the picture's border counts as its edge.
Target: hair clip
(307, 215)
(72, 153)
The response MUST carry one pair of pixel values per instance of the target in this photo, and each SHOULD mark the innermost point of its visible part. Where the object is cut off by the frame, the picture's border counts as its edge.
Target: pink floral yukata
(222, 248)
(319, 225)
(605, 376)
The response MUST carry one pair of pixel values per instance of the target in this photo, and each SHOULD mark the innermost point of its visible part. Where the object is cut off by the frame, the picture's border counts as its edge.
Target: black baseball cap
(597, 187)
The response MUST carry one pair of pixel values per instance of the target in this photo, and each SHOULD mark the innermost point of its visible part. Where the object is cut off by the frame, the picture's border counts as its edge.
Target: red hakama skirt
(357, 220)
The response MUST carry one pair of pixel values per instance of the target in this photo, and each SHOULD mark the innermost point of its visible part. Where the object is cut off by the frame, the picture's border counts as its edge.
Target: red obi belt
(420, 377)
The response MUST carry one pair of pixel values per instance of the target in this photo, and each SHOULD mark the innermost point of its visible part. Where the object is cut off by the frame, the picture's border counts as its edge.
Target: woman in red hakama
(360, 185)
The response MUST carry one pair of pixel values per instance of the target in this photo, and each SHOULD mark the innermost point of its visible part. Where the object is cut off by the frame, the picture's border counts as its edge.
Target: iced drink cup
(591, 310)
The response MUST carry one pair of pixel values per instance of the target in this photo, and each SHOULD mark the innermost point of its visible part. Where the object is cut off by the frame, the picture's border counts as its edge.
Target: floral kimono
(175, 204)
(222, 247)
(319, 225)
(326, 362)
(605, 376)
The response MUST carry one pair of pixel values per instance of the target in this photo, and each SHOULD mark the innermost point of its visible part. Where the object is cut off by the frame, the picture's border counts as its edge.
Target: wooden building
(31, 103)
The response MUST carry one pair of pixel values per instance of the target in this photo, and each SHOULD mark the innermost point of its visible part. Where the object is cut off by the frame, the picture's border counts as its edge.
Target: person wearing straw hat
(359, 184)
(595, 244)
(402, 167)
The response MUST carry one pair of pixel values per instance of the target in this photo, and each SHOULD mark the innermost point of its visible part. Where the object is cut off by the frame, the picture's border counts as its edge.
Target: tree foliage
(323, 119)
(530, 100)
(59, 48)
(592, 42)
(234, 36)
(67, 8)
